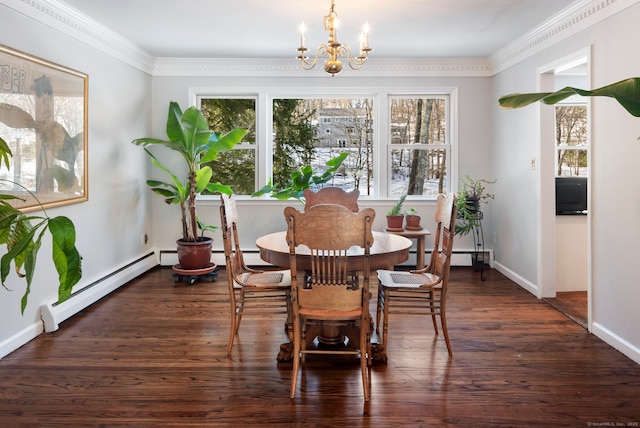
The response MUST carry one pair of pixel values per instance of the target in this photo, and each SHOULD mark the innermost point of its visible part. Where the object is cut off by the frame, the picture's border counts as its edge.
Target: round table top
(387, 250)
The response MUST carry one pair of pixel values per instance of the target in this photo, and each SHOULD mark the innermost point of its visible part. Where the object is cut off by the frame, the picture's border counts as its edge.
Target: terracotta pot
(413, 222)
(395, 222)
(194, 255)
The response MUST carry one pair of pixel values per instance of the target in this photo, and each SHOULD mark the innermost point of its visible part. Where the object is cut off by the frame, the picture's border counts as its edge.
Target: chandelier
(333, 49)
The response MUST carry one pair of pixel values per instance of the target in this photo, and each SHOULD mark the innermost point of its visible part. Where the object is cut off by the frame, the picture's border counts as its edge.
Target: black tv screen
(571, 195)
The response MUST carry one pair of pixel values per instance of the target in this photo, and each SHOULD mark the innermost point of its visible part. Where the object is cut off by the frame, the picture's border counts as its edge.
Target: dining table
(387, 251)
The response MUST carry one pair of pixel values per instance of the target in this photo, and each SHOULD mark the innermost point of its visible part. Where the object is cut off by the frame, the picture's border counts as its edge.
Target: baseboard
(628, 349)
(527, 285)
(17, 340)
(54, 313)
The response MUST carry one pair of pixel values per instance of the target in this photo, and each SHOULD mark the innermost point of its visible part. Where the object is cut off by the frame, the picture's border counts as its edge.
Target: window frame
(381, 133)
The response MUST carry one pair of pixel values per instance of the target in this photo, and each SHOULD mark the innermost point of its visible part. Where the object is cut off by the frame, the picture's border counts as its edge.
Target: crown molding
(577, 17)
(57, 15)
(375, 67)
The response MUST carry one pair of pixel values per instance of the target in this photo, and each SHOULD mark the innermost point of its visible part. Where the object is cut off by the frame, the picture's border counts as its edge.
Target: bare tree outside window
(419, 145)
(571, 140)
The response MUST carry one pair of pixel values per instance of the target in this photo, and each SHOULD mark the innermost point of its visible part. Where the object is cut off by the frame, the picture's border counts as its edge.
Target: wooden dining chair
(250, 290)
(424, 291)
(332, 195)
(329, 296)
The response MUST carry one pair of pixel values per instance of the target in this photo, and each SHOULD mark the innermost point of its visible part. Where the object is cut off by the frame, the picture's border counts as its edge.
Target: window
(419, 150)
(571, 140)
(409, 152)
(236, 167)
(293, 123)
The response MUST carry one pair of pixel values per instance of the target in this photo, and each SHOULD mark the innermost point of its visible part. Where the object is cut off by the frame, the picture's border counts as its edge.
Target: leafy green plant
(189, 136)
(22, 234)
(626, 92)
(468, 200)
(303, 179)
(396, 209)
(411, 211)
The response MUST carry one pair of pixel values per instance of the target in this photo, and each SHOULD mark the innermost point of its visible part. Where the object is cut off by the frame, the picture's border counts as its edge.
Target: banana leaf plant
(189, 136)
(22, 234)
(302, 179)
(626, 92)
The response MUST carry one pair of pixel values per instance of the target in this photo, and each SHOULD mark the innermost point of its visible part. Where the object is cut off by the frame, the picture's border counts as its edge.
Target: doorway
(564, 269)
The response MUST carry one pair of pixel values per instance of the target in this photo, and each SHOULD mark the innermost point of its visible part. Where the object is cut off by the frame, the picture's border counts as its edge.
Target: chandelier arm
(304, 60)
(355, 62)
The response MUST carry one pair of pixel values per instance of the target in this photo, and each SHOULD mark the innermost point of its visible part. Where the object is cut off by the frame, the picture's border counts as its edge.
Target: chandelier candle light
(333, 49)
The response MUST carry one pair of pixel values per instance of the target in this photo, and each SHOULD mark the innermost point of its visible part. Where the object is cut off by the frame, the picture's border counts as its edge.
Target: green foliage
(294, 138)
(303, 179)
(190, 137)
(22, 234)
(236, 167)
(626, 92)
(397, 208)
(411, 211)
(468, 201)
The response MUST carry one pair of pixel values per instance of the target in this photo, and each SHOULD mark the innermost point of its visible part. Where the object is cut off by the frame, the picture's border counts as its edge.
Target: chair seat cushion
(390, 278)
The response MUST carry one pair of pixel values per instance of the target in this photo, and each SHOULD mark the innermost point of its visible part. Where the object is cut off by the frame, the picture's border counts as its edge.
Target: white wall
(615, 200)
(110, 224)
(571, 253)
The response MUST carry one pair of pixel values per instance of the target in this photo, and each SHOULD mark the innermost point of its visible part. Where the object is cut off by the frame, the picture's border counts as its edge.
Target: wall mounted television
(571, 195)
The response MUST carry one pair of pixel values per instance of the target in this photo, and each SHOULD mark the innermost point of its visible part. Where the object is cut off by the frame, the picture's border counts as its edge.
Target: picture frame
(44, 121)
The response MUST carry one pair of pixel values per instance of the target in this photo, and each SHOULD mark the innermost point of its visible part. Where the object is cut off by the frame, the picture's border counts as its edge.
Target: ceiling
(269, 29)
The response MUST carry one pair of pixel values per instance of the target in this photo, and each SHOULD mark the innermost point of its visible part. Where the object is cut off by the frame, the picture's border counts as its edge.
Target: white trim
(522, 282)
(59, 16)
(53, 313)
(616, 341)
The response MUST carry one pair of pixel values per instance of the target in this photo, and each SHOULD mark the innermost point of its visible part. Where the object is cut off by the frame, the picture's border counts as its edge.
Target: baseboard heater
(54, 313)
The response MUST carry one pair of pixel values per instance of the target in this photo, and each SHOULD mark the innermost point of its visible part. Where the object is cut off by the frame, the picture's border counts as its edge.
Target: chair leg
(445, 332)
(379, 307)
(433, 312)
(233, 328)
(364, 359)
(296, 358)
(385, 321)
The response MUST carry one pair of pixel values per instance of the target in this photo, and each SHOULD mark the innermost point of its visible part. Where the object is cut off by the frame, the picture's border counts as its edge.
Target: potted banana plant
(191, 139)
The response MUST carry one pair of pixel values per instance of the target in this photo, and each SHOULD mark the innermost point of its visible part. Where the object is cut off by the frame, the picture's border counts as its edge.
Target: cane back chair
(329, 294)
(250, 290)
(424, 291)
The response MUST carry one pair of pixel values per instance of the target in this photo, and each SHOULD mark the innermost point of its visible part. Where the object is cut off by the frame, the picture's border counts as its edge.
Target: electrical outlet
(495, 238)
(533, 164)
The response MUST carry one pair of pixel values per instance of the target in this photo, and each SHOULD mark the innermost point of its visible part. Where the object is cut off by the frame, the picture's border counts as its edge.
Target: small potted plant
(395, 217)
(190, 137)
(468, 202)
(412, 219)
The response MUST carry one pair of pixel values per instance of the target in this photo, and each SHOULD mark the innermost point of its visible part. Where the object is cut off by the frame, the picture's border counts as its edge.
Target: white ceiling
(269, 29)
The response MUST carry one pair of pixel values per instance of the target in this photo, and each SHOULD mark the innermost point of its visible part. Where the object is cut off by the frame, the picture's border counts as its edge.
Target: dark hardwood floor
(573, 304)
(153, 354)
